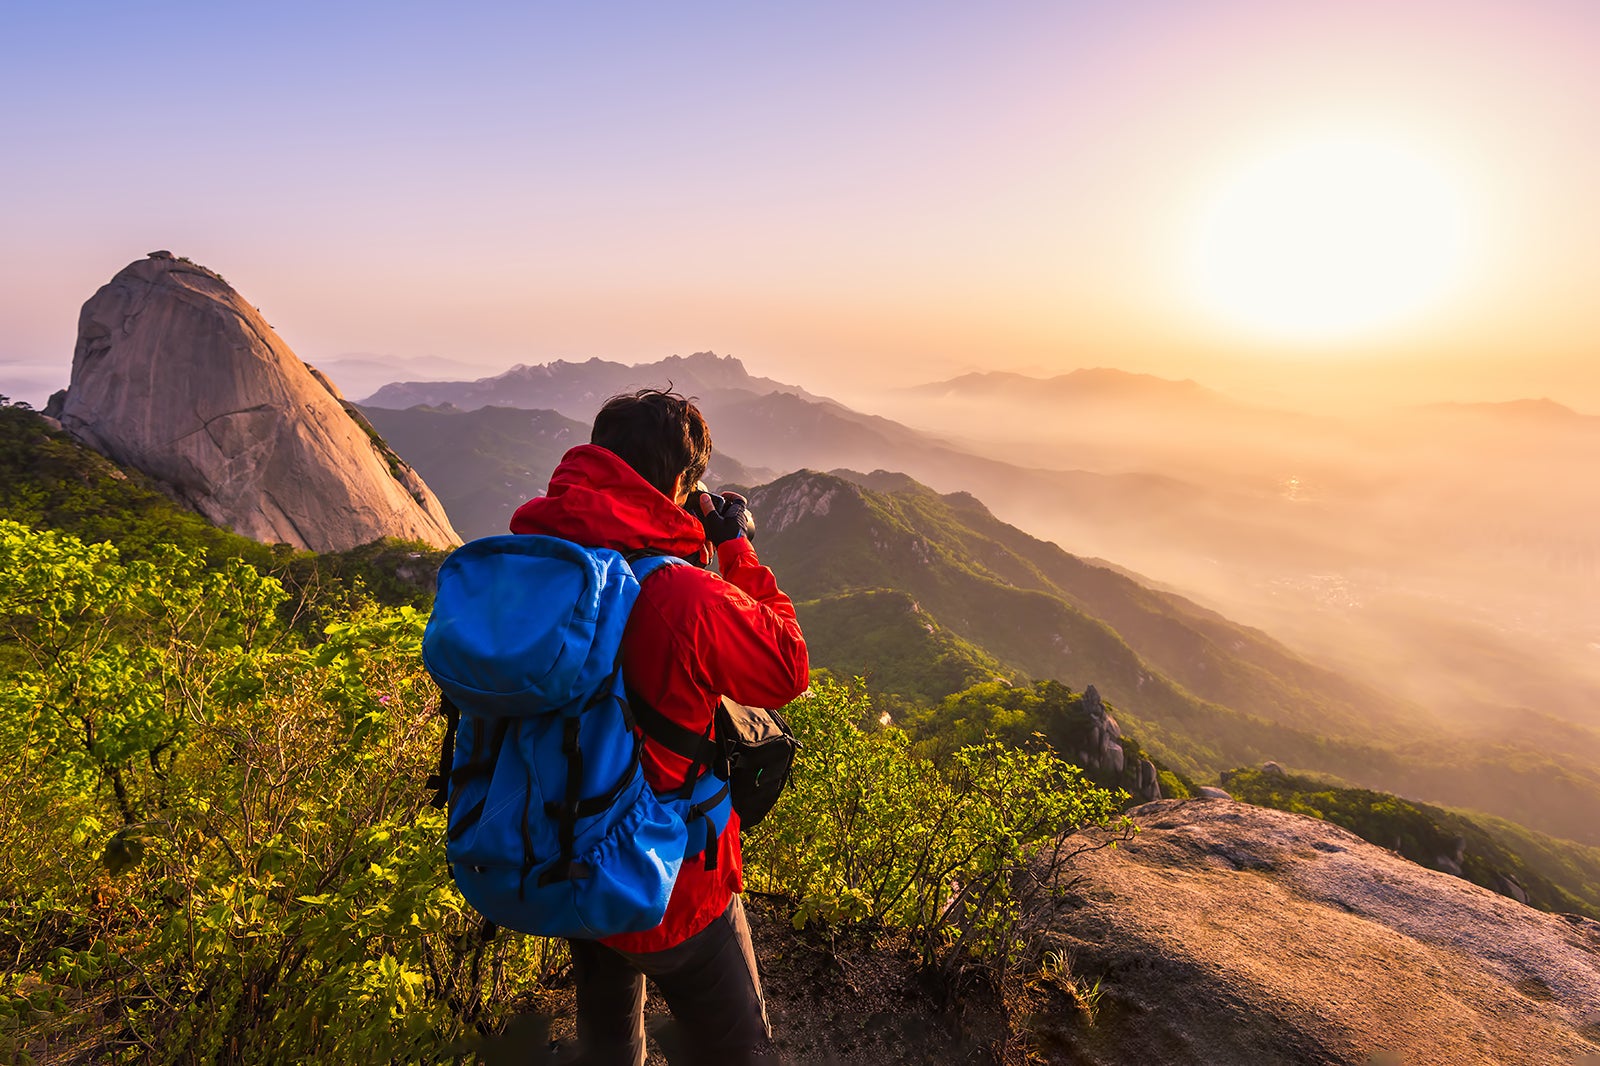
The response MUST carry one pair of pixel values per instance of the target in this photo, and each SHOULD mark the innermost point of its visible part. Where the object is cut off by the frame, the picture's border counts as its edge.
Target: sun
(1329, 238)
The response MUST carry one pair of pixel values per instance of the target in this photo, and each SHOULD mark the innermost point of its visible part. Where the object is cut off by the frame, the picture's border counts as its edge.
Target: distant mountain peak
(1541, 409)
(1084, 384)
(707, 358)
(576, 389)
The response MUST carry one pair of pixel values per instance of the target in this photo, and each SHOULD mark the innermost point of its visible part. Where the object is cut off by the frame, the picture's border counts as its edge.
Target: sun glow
(1330, 238)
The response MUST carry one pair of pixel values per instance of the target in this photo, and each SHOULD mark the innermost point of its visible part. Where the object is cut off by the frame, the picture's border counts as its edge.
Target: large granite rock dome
(177, 375)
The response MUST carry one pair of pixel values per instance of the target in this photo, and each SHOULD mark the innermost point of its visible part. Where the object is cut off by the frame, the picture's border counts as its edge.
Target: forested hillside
(1202, 693)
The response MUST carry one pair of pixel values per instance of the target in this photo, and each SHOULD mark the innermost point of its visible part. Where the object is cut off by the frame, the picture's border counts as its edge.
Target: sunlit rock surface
(176, 374)
(1226, 933)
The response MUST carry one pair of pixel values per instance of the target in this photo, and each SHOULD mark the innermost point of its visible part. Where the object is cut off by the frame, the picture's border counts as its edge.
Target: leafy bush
(1044, 714)
(966, 855)
(215, 845)
(49, 480)
(883, 636)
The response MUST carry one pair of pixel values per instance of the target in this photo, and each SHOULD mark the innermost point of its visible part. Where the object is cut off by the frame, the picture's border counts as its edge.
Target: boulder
(1148, 788)
(179, 376)
(1103, 749)
(1211, 792)
(1226, 933)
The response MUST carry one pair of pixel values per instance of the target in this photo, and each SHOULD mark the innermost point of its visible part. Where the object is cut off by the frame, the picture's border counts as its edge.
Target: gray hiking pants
(710, 984)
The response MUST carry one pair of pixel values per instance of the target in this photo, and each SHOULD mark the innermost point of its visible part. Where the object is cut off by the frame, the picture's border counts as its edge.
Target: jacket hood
(599, 501)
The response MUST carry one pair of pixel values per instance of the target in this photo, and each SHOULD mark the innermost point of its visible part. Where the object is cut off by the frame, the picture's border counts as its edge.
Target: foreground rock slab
(1230, 934)
(175, 374)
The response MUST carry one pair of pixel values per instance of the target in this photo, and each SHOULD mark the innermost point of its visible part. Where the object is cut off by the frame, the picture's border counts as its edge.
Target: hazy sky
(840, 194)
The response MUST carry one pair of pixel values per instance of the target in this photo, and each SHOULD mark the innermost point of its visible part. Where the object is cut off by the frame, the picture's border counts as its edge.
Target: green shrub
(966, 855)
(215, 845)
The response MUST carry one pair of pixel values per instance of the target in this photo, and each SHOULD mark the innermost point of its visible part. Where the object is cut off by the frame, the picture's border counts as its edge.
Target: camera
(719, 503)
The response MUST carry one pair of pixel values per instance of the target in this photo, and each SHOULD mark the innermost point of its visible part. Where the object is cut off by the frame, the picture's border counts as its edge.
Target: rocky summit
(175, 374)
(1225, 933)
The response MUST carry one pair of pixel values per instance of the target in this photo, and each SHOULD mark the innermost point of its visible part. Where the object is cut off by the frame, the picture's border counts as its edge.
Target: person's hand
(724, 525)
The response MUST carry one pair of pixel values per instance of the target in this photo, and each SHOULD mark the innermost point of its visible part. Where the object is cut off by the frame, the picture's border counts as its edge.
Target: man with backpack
(692, 637)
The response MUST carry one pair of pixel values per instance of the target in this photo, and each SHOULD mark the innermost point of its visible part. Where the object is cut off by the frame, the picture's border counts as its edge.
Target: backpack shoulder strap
(680, 740)
(700, 750)
(647, 561)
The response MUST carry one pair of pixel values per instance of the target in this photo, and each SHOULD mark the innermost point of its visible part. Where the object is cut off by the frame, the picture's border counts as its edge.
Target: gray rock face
(1103, 751)
(1149, 786)
(177, 375)
(1225, 933)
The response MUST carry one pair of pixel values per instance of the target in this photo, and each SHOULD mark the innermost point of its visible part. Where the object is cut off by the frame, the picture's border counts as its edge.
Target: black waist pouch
(757, 753)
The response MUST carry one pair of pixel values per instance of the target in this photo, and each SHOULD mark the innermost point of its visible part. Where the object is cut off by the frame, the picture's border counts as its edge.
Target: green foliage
(884, 637)
(213, 838)
(1439, 838)
(1175, 786)
(49, 480)
(214, 844)
(967, 855)
(1045, 714)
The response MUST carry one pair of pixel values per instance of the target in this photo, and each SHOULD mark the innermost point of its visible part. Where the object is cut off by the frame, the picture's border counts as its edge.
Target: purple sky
(842, 195)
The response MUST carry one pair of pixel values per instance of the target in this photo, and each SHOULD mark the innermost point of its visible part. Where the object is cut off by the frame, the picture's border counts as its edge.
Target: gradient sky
(843, 195)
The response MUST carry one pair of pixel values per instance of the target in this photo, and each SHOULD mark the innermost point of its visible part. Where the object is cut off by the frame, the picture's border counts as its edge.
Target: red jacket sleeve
(759, 656)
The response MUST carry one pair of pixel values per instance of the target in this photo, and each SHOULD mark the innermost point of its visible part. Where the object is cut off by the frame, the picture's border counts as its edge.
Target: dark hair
(658, 433)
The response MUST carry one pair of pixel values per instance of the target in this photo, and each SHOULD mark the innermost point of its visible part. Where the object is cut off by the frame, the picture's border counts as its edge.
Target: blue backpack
(552, 828)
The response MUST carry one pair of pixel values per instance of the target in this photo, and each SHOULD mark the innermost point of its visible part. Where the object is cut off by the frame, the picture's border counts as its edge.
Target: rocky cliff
(175, 374)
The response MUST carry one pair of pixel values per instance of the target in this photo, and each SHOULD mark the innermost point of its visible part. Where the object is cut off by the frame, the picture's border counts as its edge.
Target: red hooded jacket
(692, 638)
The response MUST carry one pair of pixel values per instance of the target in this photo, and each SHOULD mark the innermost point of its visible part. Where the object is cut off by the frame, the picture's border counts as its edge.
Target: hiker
(692, 637)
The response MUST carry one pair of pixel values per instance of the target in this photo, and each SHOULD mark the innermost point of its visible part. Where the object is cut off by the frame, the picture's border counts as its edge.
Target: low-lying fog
(1450, 553)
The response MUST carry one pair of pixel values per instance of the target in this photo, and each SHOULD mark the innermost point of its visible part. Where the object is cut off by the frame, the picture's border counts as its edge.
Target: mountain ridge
(576, 389)
(1204, 694)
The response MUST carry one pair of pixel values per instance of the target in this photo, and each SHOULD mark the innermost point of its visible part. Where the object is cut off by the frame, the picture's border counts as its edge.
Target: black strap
(527, 832)
(700, 810)
(483, 764)
(654, 553)
(479, 765)
(467, 820)
(565, 870)
(595, 804)
(711, 845)
(573, 806)
(676, 738)
(568, 814)
(440, 782)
